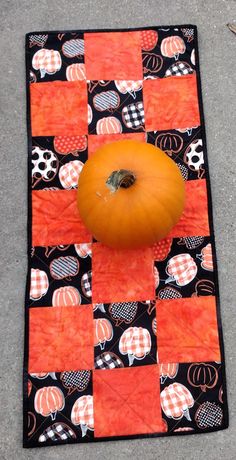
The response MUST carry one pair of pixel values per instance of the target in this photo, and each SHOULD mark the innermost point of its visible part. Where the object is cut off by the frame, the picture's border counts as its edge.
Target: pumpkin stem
(120, 178)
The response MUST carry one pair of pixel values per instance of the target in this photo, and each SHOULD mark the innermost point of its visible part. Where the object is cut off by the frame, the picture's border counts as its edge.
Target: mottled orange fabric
(95, 141)
(122, 275)
(194, 220)
(171, 103)
(60, 338)
(56, 219)
(127, 401)
(187, 330)
(59, 108)
(113, 56)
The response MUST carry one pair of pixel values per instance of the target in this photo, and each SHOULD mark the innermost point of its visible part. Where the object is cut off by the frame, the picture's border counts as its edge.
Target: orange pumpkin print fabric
(118, 344)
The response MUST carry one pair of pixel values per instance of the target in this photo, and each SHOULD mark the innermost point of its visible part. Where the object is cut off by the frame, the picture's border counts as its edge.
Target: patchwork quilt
(118, 344)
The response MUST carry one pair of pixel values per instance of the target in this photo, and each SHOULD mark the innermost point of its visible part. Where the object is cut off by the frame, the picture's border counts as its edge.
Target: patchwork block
(171, 103)
(55, 219)
(187, 330)
(124, 334)
(123, 49)
(122, 277)
(57, 161)
(190, 404)
(115, 106)
(59, 108)
(194, 220)
(54, 335)
(118, 405)
(184, 268)
(185, 147)
(66, 269)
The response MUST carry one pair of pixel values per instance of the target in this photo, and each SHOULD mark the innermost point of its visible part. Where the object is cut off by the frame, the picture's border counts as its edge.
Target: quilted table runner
(118, 344)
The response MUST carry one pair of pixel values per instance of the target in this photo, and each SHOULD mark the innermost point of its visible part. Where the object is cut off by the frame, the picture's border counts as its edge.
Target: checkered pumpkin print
(209, 415)
(136, 343)
(176, 400)
(123, 312)
(133, 115)
(57, 432)
(130, 87)
(182, 269)
(178, 69)
(108, 360)
(83, 414)
(69, 174)
(38, 284)
(75, 380)
(47, 61)
(86, 284)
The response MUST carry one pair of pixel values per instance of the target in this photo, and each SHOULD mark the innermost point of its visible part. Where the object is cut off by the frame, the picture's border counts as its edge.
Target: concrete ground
(218, 68)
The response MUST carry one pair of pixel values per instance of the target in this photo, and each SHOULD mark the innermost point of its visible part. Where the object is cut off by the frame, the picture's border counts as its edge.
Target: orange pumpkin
(136, 343)
(83, 414)
(130, 194)
(162, 249)
(172, 46)
(76, 72)
(49, 400)
(70, 144)
(149, 39)
(156, 276)
(103, 332)
(168, 370)
(108, 125)
(206, 258)
(176, 400)
(83, 249)
(169, 143)
(152, 63)
(202, 375)
(66, 296)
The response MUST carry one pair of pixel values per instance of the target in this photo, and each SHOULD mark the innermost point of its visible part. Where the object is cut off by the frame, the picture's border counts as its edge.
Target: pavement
(217, 46)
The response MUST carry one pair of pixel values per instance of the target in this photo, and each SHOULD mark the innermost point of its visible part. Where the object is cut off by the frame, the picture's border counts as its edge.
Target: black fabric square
(115, 107)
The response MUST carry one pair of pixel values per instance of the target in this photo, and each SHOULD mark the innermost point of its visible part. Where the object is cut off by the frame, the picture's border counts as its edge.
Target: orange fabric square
(60, 338)
(56, 219)
(113, 56)
(187, 330)
(95, 141)
(122, 275)
(127, 401)
(59, 108)
(194, 220)
(171, 103)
